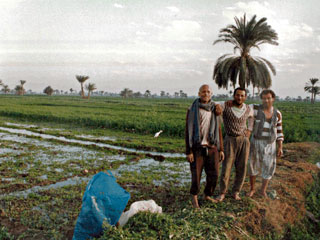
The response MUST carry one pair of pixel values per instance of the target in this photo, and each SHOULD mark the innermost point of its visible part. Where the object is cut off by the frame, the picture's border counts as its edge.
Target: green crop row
(143, 116)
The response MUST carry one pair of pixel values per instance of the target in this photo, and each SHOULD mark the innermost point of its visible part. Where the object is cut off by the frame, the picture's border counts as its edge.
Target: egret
(158, 133)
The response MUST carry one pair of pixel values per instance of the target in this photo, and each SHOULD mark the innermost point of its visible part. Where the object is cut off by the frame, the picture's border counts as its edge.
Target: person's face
(240, 97)
(205, 94)
(267, 100)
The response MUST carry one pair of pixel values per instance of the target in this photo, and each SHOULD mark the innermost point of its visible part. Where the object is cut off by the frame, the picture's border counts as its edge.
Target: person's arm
(189, 153)
(221, 152)
(280, 136)
(250, 121)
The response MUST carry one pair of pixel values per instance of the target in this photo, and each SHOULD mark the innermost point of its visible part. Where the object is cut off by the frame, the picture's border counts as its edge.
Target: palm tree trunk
(243, 73)
(252, 91)
(82, 93)
(89, 94)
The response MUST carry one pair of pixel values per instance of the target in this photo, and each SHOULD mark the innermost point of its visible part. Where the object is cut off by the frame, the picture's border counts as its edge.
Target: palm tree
(48, 90)
(19, 90)
(5, 89)
(312, 88)
(22, 82)
(81, 79)
(247, 69)
(90, 87)
(125, 93)
(147, 93)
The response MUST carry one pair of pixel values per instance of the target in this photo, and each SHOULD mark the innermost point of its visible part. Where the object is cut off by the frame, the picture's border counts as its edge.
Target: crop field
(50, 147)
(143, 116)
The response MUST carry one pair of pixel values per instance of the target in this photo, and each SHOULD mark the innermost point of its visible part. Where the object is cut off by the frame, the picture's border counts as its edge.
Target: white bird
(318, 164)
(158, 133)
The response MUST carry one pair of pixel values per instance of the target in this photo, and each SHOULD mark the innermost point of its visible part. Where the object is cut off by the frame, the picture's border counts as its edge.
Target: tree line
(230, 70)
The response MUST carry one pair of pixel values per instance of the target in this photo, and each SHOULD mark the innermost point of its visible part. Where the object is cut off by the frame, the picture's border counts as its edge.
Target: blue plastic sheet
(103, 200)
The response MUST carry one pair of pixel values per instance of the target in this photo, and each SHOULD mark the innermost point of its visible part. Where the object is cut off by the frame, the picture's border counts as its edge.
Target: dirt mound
(290, 182)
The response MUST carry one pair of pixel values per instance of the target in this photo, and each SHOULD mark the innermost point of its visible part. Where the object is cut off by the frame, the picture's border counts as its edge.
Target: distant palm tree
(147, 93)
(312, 88)
(137, 94)
(245, 35)
(71, 90)
(5, 89)
(22, 82)
(90, 87)
(48, 90)
(125, 93)
(1, 83)
(19, 90)
(81, 79)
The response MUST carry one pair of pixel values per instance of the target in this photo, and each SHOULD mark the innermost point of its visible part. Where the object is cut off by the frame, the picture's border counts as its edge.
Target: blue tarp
(103, 200)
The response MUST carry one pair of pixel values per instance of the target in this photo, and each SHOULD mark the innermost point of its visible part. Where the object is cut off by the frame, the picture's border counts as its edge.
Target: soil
(293, 175)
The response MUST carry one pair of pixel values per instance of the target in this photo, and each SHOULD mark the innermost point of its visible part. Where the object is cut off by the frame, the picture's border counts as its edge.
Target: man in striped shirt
(266, 143)
(235, 115)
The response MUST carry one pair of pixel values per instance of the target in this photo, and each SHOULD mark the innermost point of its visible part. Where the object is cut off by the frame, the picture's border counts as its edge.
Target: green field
(301, 121)
(55, 171)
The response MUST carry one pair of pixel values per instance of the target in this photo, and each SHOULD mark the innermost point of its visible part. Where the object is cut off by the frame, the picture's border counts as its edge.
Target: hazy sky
(151, 44)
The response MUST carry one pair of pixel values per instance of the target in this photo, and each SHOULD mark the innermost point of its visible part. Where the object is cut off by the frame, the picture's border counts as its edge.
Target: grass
(307, 229)
(51, 213)
(142, 116)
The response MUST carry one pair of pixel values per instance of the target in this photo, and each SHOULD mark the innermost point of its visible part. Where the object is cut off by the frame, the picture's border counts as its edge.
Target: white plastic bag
(139, 206)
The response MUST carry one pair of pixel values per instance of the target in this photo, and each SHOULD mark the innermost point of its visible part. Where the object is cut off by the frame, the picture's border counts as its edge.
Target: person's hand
(248, 133)
(190, 158)
(218, 109)
(229, 103)
(221, 156)
(279, 152)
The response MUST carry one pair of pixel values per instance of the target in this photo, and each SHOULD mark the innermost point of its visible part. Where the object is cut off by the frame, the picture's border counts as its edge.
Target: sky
(159, 45)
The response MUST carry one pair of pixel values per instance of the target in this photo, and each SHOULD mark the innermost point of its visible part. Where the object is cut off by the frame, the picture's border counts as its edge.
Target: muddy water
(62, 153)
(178, 173)
(88, 143)
(68, 182)
(90, 137)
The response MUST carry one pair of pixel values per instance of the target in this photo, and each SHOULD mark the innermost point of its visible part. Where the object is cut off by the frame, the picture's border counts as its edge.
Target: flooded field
(46, 161)
(33, 165)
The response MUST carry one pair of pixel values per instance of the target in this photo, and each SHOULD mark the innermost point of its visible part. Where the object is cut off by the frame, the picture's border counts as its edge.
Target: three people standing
(204, 142)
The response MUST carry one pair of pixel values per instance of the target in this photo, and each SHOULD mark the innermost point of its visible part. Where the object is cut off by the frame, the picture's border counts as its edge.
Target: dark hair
(241, 89)
(267, 91)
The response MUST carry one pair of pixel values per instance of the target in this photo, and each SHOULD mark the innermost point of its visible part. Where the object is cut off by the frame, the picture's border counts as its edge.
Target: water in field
(88, 143)
(46, 151)
(25, 154)
(68, 182)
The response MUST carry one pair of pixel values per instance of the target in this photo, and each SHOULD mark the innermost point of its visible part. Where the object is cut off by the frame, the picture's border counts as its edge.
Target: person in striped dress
(266, 141)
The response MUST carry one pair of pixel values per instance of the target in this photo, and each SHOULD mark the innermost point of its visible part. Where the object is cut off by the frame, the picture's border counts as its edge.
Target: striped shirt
(267, 124)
